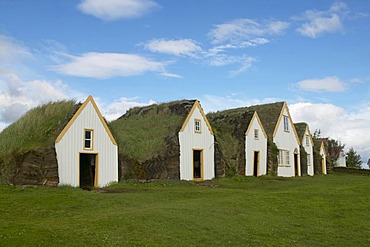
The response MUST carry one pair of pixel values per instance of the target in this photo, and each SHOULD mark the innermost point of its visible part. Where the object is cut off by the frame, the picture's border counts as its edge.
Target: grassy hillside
(38, 128)
(144, 132)
(240, 211)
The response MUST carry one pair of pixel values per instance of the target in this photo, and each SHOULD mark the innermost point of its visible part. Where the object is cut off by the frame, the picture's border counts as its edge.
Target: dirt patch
(117, 191)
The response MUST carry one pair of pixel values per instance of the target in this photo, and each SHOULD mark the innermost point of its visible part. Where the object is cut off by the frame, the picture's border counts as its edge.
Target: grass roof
(230, 127)
(268, 114)
(301, 129)
(36, 129)
(143, 133)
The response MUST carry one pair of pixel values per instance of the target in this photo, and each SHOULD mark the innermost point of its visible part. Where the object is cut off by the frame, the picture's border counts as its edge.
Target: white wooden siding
(309, 150)
(323, 158)
(252, 145)
(286, 140)
(71, 145)
(190, 140)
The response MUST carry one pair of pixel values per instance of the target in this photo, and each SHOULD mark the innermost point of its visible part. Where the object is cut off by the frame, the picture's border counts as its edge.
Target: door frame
(201, 165)
(254, 162)
(96, 168)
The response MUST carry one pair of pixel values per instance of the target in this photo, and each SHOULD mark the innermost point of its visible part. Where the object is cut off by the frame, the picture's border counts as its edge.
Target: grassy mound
(37, 129)
(143, 133)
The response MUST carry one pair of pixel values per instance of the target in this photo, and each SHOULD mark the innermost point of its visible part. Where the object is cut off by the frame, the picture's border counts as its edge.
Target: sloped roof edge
(75, 116)
(196, 104)
(255, 115)
(285, 106)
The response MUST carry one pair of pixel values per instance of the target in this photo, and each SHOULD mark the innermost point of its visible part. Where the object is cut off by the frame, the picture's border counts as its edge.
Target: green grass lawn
(240, 211)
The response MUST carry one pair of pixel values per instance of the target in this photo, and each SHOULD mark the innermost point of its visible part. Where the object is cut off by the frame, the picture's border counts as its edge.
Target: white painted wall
(323, 158)
(189, 141)
(309, 150)
(341, 162)
(287, 141)
(72, 144)
(252, 145)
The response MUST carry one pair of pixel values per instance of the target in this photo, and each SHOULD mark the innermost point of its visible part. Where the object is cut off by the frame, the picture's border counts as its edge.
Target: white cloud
(117, 9)
(20, 96)
(327, 84)
(316, 23)
(351, 127)
(119, 107)
(246, 30)
(107, 65)
(171, 75)
(12, 51)
(180, 47)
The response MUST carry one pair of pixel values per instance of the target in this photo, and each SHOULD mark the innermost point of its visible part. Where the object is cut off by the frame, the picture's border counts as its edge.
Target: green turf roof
(38, 128)
(268, 114)
(301, 129)
(143, 133)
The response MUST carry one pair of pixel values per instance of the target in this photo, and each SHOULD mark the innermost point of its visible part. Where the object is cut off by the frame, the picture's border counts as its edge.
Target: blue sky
(227, 53)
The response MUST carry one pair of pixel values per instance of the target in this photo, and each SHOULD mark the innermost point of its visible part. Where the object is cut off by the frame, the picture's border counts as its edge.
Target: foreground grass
(241, 211)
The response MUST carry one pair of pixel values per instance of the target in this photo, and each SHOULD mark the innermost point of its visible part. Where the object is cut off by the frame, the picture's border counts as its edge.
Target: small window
(308, 160)
(286, 123)
(307, 140)
(287, 158)
(197, 126)
(281, 162)
(88, 139)
(284, 158)
(256, 134)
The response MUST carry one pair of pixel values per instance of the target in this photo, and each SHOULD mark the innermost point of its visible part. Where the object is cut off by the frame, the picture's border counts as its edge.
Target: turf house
(283, 152)
(166, 141)
(307, 145)
(243, 141)
(61, 143)
(87, 153)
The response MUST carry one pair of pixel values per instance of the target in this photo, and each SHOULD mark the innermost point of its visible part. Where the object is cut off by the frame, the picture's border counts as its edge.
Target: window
(287, 159)
(256, 134)
(284, 158)
(88, 139)
(307, 140)
(286, 123)
(308, 159)
(197, 126)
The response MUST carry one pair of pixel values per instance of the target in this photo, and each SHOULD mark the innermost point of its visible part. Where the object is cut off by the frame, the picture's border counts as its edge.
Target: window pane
(87, 143)
(287, 157)
(87, 134)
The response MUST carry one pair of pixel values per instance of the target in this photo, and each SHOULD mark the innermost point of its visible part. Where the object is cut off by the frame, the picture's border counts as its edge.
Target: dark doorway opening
(197, 164)
(87, 171)
(256, 161)
(296, 165)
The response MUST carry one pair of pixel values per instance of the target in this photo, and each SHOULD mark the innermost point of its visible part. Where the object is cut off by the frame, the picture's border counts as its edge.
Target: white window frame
(284, 157)
(286, 123)
(256, 134)
(90, 140)
(307, 140)
(308, 160)
(197, 125)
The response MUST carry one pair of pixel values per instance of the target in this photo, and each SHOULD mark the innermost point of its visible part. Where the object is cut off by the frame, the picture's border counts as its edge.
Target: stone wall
(37, 167)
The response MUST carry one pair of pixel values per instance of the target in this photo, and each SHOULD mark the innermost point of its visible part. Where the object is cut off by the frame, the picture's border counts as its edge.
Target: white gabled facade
(286, 139)
(323, 155)
(87, 137)
(255, 148)
(307, 144)
(341, 161)
(196, 146)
